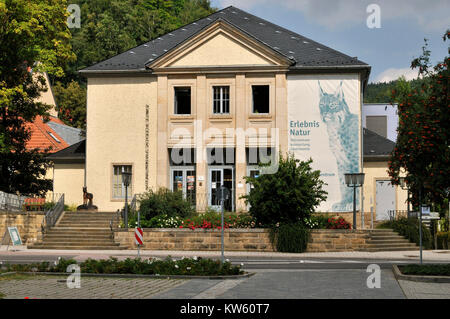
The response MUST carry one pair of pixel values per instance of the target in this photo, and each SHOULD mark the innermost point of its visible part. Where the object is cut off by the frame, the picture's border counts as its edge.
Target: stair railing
(52, 215)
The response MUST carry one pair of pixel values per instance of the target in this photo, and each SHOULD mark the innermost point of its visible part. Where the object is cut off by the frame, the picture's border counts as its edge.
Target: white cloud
(431, 15)
(393, 74)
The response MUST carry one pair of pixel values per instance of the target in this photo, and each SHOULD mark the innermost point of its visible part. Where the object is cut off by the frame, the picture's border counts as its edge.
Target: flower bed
(186, 266)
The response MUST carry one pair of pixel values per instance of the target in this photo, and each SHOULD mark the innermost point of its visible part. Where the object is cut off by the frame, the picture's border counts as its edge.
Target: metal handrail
(115, 216)
(53, 214)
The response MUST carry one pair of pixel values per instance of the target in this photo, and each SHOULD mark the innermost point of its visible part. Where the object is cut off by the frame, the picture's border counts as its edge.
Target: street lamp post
(405, 187)
(354, 180)
(126, 179)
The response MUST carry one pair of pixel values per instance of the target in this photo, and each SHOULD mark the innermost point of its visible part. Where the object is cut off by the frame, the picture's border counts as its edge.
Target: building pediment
(220, 46)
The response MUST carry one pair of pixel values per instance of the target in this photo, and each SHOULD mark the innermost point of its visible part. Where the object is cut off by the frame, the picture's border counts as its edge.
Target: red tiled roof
(41, 136)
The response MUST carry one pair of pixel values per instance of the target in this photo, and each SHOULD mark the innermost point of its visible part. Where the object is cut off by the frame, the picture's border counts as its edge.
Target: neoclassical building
(199, 107)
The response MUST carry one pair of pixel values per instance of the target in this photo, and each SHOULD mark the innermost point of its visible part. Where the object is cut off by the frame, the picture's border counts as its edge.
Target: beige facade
(378, 171)
(134, 123)
(68, 179)
(118, 120)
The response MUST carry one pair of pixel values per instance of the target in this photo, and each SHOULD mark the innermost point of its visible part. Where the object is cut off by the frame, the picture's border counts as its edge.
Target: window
(260, 98)
(118, 186)
(377, 124)
(182, 100)
(221, 99)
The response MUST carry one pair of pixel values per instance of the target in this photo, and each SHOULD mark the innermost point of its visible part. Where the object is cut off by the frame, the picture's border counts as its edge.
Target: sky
(342, 25)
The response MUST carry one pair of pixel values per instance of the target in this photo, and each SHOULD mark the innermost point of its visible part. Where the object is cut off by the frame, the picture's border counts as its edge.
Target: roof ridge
(151, 40)
(297, 34)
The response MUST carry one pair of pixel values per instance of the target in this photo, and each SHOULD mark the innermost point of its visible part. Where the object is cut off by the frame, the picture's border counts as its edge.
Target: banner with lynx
(324, 113)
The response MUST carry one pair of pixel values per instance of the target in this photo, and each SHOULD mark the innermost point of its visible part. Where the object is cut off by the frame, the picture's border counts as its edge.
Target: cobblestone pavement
(52, 287)
(425, 290)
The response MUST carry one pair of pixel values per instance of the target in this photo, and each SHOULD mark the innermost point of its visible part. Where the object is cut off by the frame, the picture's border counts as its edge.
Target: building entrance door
(183, 180)
(385, 199)
(221, 176)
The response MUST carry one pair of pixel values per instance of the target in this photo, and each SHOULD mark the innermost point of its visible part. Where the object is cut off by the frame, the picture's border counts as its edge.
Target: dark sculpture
(87, 201)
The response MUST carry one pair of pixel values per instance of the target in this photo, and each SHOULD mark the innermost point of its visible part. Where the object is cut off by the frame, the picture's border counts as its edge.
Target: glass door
(218, 177)
(183, 180)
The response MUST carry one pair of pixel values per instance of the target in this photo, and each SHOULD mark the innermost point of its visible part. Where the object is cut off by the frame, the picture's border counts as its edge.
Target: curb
(436, 279)
(8, 273)
(231, 277)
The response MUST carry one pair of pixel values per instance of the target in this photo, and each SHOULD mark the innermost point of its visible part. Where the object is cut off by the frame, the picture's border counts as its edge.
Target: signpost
(14, 236)
(222, 195)
(139, 235)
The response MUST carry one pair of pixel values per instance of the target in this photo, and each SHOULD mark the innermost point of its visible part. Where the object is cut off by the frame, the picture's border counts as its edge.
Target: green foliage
(71, 103)
(443, 240)
(168, 266)
(290, 238)
(409, 227)
(33, 36)
(422, 149)
(426, 270)
(164, 202)
(160, 221)
(382, 92)
(287, 196)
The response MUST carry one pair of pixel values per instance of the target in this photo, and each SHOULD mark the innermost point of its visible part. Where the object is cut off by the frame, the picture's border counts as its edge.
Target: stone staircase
(388, 240)
(80, 230)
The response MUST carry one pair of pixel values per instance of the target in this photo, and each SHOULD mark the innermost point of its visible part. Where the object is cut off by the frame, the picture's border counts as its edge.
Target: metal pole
(223, 207)
(420, 222)
(354, 206)
(126, 208)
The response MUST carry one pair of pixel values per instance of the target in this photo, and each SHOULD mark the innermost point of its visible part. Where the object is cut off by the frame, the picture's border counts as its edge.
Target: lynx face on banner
(324, 124)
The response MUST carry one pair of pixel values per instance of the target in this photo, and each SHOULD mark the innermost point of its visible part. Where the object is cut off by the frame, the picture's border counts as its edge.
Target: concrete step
(84, 225)
(80, 243)
(391, 249)
(74, 237)
(395, 245)
(64, 247)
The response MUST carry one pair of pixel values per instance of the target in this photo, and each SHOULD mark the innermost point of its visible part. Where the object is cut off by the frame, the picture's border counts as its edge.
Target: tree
(71, 104)
(33, 38)
(287, 196)
(422, 149)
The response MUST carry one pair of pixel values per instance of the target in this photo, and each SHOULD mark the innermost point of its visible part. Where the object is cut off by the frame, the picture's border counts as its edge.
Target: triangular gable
(220, 45)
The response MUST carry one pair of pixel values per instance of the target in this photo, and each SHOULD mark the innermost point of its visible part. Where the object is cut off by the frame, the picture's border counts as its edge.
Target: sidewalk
(428, 255)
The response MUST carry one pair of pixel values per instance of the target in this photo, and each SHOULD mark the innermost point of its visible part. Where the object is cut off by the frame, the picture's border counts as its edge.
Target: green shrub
(443, 240)
(290, 238)
(164, 201)
(288, 196)
(168, 266)
(409, 227)
(427, 270)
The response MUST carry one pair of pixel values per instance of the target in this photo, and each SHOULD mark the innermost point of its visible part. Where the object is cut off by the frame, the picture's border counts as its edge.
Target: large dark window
(182, 100)
(260, 98)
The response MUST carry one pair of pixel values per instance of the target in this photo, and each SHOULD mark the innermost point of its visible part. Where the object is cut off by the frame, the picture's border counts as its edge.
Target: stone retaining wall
(238, 239)
(28, 224)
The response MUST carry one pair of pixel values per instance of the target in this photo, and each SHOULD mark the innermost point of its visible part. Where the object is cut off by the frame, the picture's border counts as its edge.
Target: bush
(290, 238)
(212, 220)
(164, 202)
(288, 196)
(427, 270)
(186, 266)
(338, 222)
(409, 227)
(443, 240)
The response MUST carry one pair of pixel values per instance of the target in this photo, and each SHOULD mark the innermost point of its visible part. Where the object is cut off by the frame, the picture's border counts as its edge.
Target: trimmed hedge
(168, 266)
(409, 227)
(290, 238)
(427, 270)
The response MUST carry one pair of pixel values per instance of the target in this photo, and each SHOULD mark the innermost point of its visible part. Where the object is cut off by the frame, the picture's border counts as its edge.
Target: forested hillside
(109, 27)
(381, 92)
